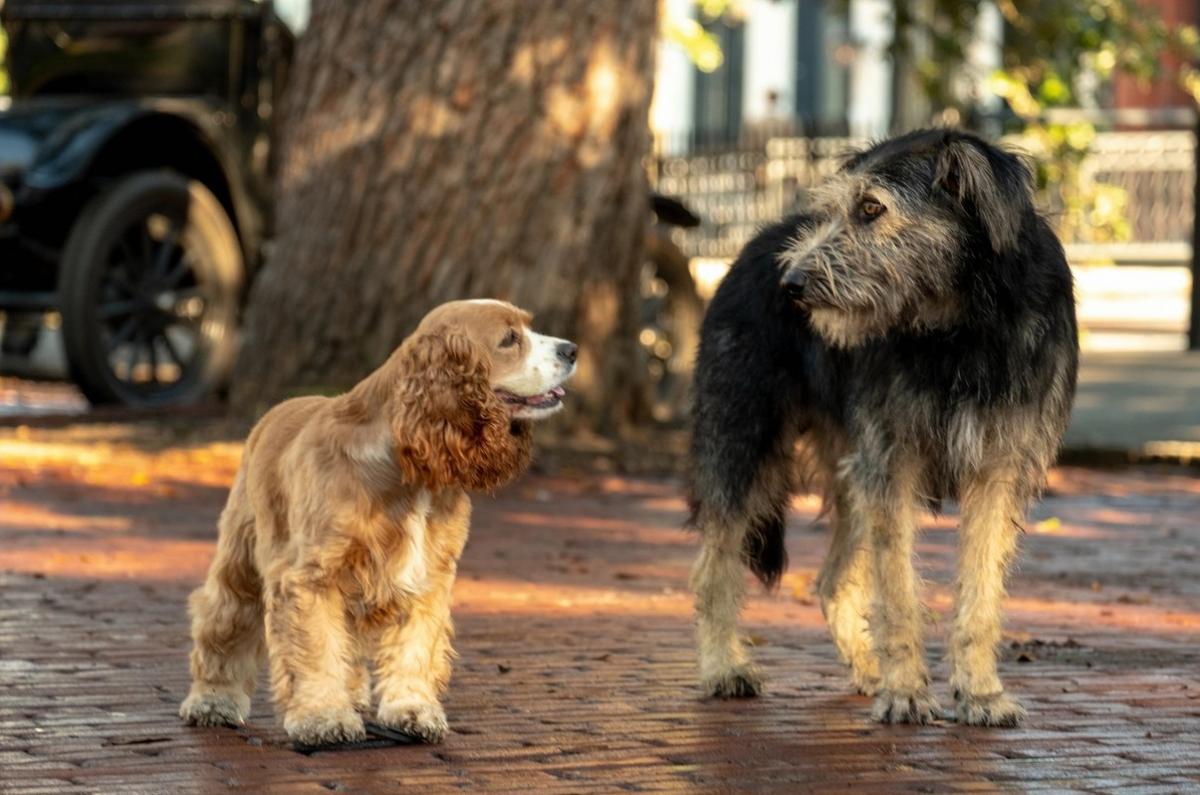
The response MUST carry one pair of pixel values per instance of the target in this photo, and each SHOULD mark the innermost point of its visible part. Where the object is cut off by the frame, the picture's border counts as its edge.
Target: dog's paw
(997, 709)
(865, 682)
(215, 709)
(331, 727)
(361, 696)
(422, 719)
(898, 706)
(742, 681)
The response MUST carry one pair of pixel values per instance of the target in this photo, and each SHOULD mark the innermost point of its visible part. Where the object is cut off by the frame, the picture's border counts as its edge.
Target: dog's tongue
(546, 397)
(535, 400)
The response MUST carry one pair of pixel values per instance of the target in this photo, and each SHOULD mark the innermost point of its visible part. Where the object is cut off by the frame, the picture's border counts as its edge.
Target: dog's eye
(510, 339)
(870, 209)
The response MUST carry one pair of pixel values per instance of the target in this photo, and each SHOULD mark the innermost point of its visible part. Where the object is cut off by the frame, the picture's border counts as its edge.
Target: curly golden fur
(449, 425)
(339, 544)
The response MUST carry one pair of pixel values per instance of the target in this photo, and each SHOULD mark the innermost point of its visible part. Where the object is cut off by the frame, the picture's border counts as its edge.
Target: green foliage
(1050, 44)
(1051, 50)
(3, 72)
(689, 33)
(701, 46)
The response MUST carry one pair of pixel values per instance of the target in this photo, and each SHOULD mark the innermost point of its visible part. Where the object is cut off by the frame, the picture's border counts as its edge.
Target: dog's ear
(996, 185)
(449, 426)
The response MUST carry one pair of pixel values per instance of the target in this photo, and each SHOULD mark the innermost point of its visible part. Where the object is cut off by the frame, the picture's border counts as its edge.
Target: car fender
(68, 155)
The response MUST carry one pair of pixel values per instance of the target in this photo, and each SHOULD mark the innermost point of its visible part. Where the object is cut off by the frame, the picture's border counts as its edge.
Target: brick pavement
(576, 671)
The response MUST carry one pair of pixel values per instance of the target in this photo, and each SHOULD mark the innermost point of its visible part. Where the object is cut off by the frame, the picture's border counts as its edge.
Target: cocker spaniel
(340, 541)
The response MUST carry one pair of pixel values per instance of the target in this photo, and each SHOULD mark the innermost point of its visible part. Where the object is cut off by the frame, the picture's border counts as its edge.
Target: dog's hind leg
(845, 587)
(719, 584)
(741, 459)
(887, 509)
(991, 514)
(731, 541)
(227, 624)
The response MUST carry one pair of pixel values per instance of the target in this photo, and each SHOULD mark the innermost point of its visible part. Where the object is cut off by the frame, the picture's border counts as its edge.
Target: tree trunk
(1193, 340)
(450, 149)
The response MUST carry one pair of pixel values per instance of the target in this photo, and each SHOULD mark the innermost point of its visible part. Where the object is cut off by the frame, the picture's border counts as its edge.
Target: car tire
(150, 285)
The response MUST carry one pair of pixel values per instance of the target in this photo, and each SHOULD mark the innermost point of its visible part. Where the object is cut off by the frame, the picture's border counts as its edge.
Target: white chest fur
(411, 572)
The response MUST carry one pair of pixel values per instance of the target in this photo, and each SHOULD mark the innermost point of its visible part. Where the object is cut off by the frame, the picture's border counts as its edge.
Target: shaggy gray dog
(910, 339)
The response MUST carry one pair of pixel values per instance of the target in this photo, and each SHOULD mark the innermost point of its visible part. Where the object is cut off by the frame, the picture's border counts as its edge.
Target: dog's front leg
(889, 513)
(988, 540)
(311, 655)
(359, 683)
(412, 665)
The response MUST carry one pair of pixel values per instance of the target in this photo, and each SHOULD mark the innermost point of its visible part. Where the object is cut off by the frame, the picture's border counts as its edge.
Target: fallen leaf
(1051, 525)
(799, 585)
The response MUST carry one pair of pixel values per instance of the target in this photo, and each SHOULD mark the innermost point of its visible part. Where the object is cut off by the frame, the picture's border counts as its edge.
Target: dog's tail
(747, 517)
(764, 551)
(754, 525)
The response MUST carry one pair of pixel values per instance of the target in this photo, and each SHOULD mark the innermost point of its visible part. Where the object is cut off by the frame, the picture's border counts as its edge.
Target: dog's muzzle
(794, 284)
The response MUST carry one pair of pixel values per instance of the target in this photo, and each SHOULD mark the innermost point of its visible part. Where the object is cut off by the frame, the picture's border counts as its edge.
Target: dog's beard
(846, 328)
(851, 303)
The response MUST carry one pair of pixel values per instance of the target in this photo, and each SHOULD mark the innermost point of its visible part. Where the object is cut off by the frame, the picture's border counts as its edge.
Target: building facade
(801, 67)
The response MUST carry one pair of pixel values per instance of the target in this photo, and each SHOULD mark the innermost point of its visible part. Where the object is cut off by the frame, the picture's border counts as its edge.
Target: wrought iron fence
(1157, 172)
(736, 189)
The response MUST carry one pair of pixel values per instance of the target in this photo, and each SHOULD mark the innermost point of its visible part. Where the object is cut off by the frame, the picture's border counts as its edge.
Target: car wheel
(149, 287)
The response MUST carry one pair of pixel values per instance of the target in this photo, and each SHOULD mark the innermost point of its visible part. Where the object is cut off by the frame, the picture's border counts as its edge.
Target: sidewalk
(1146, 405)
(574, 628)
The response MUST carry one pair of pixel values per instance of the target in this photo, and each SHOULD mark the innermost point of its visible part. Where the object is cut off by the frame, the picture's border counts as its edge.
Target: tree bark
(1193, 340)
(449, 149)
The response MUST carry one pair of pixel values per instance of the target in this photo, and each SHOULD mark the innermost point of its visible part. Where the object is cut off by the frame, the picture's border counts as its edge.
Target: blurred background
(226, 200)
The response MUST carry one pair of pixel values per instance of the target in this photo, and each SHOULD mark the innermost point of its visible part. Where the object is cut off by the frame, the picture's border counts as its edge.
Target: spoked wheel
(149, 288)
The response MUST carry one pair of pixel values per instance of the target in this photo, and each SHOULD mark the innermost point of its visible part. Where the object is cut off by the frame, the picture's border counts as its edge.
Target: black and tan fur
(910, 339)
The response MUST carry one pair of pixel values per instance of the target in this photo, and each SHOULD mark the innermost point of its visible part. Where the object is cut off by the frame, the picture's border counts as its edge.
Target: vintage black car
(135, 164)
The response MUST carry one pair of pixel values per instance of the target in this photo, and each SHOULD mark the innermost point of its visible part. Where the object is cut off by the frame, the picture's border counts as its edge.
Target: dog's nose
(567, 351)
(794, 283)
